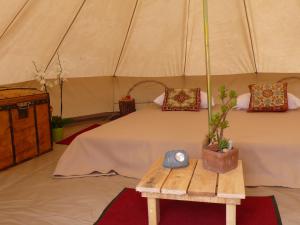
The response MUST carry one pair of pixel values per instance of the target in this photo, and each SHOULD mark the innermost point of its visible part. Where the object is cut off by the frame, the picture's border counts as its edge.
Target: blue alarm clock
(176, 159)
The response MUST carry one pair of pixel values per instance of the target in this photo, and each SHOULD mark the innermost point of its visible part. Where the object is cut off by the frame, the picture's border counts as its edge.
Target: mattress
(269, 144)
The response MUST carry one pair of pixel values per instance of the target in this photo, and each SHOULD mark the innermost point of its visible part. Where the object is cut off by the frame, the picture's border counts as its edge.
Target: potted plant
(218, 154)
(58, 122)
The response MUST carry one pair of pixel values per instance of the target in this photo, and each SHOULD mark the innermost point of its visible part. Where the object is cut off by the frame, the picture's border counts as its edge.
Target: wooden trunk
(25, 128)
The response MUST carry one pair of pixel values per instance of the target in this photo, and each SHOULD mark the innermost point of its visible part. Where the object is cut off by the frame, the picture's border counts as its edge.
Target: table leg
(230, 214)
(153, 211)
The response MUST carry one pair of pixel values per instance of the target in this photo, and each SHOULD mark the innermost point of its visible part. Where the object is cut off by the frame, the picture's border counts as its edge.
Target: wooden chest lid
(18, 92)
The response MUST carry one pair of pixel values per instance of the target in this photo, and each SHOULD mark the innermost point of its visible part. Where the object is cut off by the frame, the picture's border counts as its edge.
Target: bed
(269, 144)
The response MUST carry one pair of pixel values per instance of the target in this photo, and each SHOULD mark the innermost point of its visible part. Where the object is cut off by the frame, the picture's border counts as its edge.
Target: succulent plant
(219, 122)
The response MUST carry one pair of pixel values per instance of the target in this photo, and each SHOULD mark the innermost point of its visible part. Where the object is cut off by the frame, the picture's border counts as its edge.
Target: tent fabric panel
(81, 96)
(84, 96)
(195, 58)
(230, 46)
(34, 36)
(276, 29)
(8, 11)
(230, 41)
(93, 44)
(155, 45)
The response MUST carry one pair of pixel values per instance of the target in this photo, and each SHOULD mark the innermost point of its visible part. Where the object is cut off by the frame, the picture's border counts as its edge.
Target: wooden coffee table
(192, 183)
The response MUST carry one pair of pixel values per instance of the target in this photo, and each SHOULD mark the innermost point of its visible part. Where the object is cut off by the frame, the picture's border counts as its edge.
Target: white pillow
(160, 100)
(244, 99)
(203, 103)
(293, 101)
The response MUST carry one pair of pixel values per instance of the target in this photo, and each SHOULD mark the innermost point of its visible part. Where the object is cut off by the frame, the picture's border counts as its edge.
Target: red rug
(129, 208)
(69, 139)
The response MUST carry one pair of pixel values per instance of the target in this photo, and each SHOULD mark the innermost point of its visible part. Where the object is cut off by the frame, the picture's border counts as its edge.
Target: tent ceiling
(94, 42)
(9, 10)
(146, 37)
(34, 36)
(276, 28)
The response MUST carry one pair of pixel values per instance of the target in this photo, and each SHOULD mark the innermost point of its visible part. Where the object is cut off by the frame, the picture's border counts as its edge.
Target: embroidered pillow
(244, 99)
(182, 100)
(203, 105)
(268, 97)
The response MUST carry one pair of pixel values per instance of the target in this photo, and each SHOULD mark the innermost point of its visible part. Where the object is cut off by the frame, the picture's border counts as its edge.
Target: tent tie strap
(146, 81)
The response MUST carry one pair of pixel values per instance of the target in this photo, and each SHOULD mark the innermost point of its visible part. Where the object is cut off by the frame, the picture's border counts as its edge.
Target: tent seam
(14, 19)
(126, 37)
(65, 35)
(251, 38)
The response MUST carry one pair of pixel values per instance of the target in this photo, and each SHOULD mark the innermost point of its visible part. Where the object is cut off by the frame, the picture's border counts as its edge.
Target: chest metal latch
(23, 109)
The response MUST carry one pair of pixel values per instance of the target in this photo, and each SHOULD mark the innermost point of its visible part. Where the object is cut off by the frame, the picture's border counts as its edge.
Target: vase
(57, 134)
(220, 162)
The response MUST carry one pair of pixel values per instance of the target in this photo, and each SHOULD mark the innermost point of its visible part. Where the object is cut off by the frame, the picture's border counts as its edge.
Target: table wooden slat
(154, 178)
(231, 184)
(204, 182)
(193, 198)
(179, 179)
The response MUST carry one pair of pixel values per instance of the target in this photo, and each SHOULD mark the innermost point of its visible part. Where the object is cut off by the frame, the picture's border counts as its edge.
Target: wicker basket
(127, 106)
(220, 162)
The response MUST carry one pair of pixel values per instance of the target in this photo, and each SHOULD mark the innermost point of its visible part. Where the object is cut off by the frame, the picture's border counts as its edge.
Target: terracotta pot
(220, 162)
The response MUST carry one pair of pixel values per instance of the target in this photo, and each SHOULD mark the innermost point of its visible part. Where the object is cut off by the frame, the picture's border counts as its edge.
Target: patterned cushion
(182, 100)
(268, 97)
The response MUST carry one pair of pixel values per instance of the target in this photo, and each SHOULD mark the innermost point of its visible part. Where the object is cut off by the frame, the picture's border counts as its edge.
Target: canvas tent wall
(103, 42)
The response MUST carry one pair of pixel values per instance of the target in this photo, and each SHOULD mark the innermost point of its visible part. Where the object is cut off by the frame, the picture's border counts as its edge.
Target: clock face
(179, 156)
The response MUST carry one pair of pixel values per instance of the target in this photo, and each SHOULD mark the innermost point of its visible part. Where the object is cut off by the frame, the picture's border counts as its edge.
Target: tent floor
(29, 195)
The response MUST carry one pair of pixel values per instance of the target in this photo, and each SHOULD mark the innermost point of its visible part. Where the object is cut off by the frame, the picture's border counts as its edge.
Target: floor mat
(129, 208)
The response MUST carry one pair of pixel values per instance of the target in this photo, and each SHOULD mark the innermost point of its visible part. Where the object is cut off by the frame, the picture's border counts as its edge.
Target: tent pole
(186, 37)
(207, 62)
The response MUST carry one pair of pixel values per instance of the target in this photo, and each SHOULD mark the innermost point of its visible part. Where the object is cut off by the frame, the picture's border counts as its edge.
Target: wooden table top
(192, 182)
